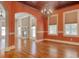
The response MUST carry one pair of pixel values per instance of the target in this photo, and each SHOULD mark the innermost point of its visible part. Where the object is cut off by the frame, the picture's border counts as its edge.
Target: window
(52, 29)
(52, 25)
(71, 23)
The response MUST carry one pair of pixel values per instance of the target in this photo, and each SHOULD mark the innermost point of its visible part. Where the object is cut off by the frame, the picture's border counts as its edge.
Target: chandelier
(47, 12)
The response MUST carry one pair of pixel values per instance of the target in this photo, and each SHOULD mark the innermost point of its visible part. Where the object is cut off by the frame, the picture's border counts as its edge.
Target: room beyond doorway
(25, 29)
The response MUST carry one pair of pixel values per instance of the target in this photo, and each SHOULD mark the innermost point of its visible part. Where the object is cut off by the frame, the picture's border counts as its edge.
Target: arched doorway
(3, 29)
(25, 29)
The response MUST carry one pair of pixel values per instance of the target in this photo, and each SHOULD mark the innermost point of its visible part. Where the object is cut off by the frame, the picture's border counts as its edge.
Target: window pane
(74, 29)
(71, 29)
(52, 29)
(3, 31)
(67, 28)
(25, 33)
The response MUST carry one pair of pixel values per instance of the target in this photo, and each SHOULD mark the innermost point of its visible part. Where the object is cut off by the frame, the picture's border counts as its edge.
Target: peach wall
(60, 35)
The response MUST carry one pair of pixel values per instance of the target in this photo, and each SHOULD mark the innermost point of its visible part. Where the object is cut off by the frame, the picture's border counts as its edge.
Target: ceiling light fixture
(47, 12)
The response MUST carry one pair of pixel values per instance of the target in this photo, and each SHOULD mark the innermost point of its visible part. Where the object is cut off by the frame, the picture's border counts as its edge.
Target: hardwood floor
(43, 49)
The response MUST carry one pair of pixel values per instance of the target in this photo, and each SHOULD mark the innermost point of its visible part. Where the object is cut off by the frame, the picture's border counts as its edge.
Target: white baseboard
(53, 40)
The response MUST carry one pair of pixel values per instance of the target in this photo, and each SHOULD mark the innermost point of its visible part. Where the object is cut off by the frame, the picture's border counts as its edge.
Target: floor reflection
(70, 53)
(33, 47)
(53, 51)
(18, 43)
(2, 47)
(43, 50)
(25, 42)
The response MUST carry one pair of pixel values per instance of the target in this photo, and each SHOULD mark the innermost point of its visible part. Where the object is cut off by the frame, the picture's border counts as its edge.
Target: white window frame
(56, 24)
(77, 10)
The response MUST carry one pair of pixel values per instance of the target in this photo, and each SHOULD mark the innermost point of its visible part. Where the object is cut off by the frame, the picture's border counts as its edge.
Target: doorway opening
(25, 29)
(3, 29)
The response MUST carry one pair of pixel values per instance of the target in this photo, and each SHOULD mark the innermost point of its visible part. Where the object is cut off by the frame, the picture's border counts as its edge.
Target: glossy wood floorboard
(43, 49)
